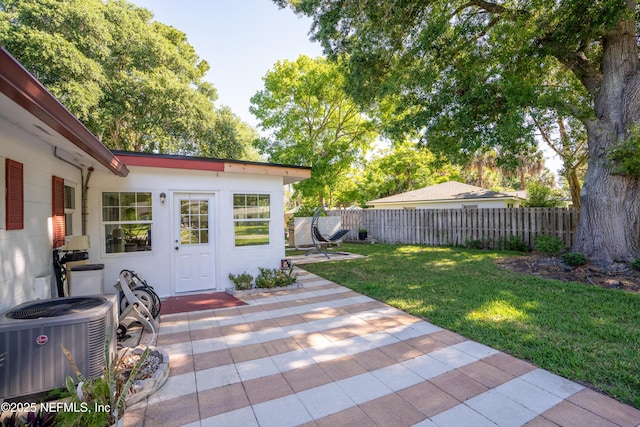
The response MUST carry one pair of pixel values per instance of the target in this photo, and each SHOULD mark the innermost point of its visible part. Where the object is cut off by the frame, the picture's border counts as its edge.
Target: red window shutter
(58, 211)
(15, 194)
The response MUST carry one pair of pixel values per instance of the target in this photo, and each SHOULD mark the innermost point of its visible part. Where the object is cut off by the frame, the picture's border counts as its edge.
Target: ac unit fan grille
(54, 308)
(97, 338)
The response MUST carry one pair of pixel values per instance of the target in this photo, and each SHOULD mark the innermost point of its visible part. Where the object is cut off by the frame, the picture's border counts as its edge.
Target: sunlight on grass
(581, 332)
(497, 311)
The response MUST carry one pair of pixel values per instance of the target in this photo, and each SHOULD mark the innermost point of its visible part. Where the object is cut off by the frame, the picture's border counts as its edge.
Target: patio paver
(323, 355)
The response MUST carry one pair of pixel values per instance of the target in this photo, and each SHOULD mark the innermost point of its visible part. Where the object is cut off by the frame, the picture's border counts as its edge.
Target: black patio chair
(320, 239)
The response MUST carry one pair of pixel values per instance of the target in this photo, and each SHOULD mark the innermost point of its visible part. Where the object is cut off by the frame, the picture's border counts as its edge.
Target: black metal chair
(320, 239)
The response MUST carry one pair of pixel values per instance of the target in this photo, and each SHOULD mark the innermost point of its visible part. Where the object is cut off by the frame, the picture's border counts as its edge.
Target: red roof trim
(25, 90)
(172, 163)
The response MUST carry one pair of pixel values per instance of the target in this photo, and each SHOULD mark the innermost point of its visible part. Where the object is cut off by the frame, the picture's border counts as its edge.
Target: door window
(194, 222)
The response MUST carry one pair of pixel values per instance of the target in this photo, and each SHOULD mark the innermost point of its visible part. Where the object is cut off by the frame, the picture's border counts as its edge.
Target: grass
(584, 333)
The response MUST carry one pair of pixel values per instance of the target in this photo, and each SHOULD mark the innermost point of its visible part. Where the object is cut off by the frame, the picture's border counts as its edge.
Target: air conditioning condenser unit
(32, 335)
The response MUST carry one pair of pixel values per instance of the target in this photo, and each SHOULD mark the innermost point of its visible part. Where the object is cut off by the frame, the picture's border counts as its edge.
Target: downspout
(84, 188)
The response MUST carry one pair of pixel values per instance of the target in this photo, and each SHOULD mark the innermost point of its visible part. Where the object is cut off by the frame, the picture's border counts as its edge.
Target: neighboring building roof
(445, 191)
(522, 194)
(290, 173)
(25, 102)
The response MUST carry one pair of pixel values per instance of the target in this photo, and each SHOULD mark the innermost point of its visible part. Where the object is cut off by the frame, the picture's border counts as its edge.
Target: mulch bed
(616, 276)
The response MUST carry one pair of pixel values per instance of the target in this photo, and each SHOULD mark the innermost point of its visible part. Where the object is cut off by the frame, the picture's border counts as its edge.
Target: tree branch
(485, 5)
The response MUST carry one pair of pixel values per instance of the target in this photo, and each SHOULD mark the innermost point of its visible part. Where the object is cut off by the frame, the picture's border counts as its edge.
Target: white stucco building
(182, 223)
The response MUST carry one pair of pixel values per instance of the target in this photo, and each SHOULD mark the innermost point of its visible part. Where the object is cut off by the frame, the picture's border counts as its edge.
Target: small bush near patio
(584, 333)
(274, 278)
(242, 280)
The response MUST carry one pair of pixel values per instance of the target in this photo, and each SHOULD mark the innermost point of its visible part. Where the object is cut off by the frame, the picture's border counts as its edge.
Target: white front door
(194, 250)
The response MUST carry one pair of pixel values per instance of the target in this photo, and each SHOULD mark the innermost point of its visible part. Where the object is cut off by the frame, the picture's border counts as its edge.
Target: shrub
(541, 196)
(242, 281)
(574, 259)
(635, 264)
(473, 244)
(276, 277)
(549, 245)
(515, 243)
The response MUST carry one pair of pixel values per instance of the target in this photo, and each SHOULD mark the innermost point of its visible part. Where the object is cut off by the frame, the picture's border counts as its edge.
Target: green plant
(108, 392)
(242, 280)
(574, 259)
(305, 211)
(635, 264)
(541, 196)
(514, 243)
(549, 245)
(624, 158)
(276, 277)
(473, 244)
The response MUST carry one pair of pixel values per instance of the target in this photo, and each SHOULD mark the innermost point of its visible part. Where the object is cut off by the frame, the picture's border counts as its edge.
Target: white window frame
(124, 241)
(247, 217)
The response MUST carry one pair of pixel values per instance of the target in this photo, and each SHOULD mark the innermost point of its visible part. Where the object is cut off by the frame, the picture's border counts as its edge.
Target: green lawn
(584, 333)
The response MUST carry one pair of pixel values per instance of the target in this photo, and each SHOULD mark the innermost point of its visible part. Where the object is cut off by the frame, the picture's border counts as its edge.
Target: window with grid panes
(251, 218)
(127, 221)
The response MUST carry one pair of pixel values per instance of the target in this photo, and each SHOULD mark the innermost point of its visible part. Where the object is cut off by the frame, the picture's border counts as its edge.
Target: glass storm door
(194, 253)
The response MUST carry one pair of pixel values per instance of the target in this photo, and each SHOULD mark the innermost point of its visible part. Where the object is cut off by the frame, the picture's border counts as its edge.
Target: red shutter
(58, 211)
(15, 195)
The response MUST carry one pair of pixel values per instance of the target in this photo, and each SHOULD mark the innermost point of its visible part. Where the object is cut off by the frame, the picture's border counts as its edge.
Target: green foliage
(635, 264)
(473, 244)
(305, 211)
(108, 391)
(311, 122)
(404, 166)
(625, 156)
(515, 243)
(274, 278)
(242, 280)
(574, 259)
(137, 84)
(549, 245)
(541, 196)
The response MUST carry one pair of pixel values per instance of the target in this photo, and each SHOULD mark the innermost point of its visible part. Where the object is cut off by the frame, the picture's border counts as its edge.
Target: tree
(567, 138)
(403, 167)
(312, 122)
(541, 196)
(464, 73)
(137, 84)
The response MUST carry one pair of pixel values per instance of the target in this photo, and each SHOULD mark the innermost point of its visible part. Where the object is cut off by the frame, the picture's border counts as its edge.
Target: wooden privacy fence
(443, 227)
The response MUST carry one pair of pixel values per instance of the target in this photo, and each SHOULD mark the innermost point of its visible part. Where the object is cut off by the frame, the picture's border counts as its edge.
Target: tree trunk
(574, 186)
(609, 227)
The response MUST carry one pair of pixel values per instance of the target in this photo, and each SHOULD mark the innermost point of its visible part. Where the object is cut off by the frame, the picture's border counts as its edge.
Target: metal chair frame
(319, 239)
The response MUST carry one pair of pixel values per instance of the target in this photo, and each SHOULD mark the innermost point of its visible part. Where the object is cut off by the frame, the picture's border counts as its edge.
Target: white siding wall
(27, 254)
(157, 267)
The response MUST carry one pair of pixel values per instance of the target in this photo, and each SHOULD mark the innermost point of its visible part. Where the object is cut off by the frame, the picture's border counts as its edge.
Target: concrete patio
(323, 355)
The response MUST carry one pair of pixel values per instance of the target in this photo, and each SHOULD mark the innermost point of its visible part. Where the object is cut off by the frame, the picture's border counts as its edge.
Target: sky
(240, 39)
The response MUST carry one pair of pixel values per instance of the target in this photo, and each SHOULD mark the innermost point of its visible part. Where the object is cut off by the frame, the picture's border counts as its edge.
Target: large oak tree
(463, 73)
